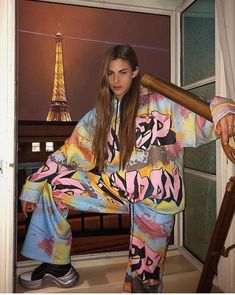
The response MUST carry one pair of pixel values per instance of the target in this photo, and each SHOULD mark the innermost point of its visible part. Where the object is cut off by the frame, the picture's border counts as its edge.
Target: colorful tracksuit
(150, 188)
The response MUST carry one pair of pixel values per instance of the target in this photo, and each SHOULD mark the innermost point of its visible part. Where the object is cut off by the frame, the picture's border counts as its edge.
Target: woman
(125, 155)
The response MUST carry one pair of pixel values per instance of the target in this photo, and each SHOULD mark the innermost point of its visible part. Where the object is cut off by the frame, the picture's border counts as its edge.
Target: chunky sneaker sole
(66, 281)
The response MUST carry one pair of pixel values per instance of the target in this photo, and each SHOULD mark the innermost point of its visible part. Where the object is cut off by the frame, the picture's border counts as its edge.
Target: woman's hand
(27, 207)
(226, 127)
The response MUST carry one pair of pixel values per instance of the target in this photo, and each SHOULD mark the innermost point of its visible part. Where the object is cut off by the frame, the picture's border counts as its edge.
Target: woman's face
(120, 76)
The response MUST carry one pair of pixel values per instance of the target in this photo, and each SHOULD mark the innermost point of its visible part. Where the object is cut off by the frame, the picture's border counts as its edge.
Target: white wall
(7, 143)
(225, 86)
(7, 123)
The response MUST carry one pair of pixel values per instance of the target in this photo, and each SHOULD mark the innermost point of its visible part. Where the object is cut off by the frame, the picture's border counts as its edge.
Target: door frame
(8, 113)
(7, 145)
(171, 8)
(224, 168)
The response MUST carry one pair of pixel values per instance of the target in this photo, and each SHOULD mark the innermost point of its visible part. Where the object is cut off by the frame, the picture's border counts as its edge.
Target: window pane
(36, 147)
(206, 92)
(198, 63)
(202, 158)
(200, 216)
(49, 146)
(198, 41)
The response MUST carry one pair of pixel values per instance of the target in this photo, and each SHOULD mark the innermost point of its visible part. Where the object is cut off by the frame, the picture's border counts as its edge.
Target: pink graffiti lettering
(148, 263)
(160, 185)
(63, 183)
(172, 187)
(45, 171)
(150, 129)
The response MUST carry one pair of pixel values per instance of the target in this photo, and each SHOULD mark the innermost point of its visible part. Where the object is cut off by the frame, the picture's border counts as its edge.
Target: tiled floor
(180, 277)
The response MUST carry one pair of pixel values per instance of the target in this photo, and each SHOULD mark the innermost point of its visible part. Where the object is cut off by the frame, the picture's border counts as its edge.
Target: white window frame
(224, 168)
(7, 145)
(181, 7)
(7, 111)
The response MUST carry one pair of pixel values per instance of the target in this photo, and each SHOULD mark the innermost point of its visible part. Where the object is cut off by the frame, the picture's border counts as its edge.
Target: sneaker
(64, 276)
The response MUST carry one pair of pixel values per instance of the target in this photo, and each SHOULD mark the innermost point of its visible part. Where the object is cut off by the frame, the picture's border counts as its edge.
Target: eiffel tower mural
(59, 110)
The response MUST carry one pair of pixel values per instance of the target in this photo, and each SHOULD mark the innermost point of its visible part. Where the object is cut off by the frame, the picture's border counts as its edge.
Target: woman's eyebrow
(125, 69)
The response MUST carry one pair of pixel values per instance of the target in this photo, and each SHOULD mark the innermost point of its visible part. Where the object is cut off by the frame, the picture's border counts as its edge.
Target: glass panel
(198, 63)
(202, 158)
(206, 92)
(198, 41)
(200, 216)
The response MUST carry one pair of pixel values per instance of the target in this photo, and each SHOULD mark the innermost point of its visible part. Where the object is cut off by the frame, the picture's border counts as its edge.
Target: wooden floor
(180, 277)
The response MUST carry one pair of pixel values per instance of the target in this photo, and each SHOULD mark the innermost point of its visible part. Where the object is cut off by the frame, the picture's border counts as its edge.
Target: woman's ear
(135, 73)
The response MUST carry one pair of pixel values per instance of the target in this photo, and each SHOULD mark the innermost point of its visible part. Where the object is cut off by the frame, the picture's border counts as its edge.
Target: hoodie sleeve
(76, 153)
(193, 130)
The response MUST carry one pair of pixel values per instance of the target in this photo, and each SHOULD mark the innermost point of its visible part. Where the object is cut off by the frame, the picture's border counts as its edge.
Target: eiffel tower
(59, 110)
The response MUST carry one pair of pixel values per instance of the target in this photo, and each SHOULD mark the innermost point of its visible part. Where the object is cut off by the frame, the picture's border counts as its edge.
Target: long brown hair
(128, 109)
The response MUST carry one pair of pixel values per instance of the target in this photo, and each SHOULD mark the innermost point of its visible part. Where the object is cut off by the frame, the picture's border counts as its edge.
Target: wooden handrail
(219, 235)
(227, 209)
(188, 100)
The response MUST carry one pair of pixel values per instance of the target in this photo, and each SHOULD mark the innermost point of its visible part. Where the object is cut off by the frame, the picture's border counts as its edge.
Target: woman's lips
(117, 87)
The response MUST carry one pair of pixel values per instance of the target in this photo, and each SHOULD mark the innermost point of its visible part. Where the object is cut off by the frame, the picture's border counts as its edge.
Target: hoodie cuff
(221, 107)
(30, 194)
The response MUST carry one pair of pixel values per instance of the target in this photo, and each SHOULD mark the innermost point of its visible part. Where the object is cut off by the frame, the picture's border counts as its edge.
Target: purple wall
(87, 34)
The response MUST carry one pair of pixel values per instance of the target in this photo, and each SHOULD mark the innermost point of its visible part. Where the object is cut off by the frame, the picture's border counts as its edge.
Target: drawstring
(116, 115)
(131, 209)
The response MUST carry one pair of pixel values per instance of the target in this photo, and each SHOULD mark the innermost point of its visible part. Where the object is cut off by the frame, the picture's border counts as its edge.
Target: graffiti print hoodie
(154, 174)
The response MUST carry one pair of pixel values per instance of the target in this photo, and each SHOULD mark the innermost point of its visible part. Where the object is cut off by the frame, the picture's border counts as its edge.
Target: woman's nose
(116, 79)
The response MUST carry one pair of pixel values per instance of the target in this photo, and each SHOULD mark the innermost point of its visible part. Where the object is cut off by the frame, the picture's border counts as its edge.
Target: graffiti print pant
(49, 235)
